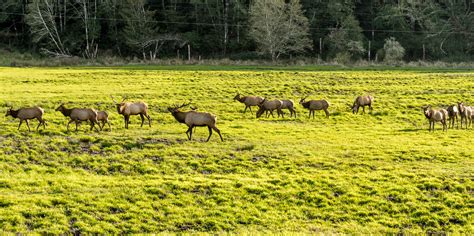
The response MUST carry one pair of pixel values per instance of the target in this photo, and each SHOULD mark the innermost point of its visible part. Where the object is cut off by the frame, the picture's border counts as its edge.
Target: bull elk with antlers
(195, 119)
(128, 109)
(315, 105)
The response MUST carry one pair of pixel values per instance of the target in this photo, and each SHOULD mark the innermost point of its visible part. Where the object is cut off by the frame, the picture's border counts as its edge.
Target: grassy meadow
(381, 172)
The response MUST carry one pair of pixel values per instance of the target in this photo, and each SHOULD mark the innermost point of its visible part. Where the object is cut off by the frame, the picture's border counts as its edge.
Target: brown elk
(195, 119)
(453, 112)
(362, 101)
(77, 115)
(132, 108)
(103, 117)
(288, 104)
(434, 116)
(466, 114)
(315, 105)
(249, 101)
(270, 106)
(25, 114)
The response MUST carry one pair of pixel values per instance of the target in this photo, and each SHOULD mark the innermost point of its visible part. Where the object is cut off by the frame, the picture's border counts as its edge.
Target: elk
(25, 114)
(77, 115)
(195, 119)
(453, 112)
(466, 114)
(132, 108)
(435, 115)
(103, 117)
(249, 101)
(288, 104)
(270, 106)
(362, 101)
(314, 105)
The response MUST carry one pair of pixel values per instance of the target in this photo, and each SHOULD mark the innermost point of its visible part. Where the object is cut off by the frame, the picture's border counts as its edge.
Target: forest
(336, 30)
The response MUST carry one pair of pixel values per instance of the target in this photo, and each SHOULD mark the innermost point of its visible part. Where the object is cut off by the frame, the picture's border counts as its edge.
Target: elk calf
(25, 114)
(103, 117)
(128, 109)
(195, 119)
(362, 101)
(288, 104)
(270, 106)
(315, 105)
(77, 115)
(436, 115)
(249, 101)
(466, 114)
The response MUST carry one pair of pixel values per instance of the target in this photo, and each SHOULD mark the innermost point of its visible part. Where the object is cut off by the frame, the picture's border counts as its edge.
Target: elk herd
(458, 114)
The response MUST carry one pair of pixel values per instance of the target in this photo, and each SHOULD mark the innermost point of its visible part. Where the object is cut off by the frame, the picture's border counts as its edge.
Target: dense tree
(150, 29)
(278, 27)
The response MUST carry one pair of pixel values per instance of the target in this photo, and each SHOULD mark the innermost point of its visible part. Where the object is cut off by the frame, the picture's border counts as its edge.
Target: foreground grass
(375, 173)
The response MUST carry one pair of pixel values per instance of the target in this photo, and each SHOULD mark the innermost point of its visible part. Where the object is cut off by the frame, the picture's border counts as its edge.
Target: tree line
(342, 30)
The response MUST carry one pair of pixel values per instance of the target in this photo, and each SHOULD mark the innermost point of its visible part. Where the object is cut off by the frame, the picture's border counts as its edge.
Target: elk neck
(305, 104)
(180, 116)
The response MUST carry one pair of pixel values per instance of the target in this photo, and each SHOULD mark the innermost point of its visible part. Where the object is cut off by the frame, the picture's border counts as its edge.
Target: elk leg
(149, 119)
(127, 119)
(39, 124)
(271, 113)
(21, 121)
(210, 133)
(67, 126)
(327, 113)
(187, 133)
(309, 114)
(250, 109)
(219, 132)
(110, 127)
(363, 109)
(190, 132)
(313, 114)
(143, 119)
(76, 124)
(28, 125)
(246, 109)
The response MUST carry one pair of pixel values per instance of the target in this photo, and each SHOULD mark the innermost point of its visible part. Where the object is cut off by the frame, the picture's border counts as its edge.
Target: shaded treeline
(151, 29)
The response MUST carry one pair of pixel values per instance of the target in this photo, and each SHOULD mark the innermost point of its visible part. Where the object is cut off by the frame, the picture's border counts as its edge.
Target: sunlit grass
(375, 173)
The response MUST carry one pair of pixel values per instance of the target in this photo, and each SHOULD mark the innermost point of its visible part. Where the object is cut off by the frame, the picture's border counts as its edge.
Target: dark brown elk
(435, 116)
(362, 101)
(195, 119)
(77, 115)
(288, 104)
(128, 109)
(270, 106)
(249, 101)
(25, 114)
(465, 113)
(453, 112)
(315, 105)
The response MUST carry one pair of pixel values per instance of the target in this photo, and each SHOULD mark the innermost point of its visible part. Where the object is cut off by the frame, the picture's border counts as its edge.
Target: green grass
(374, 173)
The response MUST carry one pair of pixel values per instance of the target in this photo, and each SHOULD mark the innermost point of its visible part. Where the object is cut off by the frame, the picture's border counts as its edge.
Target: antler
(124, 98)
(113, 99)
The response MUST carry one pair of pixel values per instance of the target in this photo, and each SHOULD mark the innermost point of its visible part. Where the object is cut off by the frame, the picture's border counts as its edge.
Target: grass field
(375, 173)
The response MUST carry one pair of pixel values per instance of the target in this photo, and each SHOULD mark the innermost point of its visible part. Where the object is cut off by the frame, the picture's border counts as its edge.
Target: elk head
(119, 105)
(237, 97)
(174, 109)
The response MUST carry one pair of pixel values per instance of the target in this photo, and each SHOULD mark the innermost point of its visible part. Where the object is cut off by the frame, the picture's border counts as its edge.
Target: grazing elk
(132, 108)
(270, 106)
(77, 115)
(249, 101)
(314, 105)
(25, 114)
(435, 115)
(288, 104)
(453, 112)
(362, 101)
(195, 119)
(466, 114)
